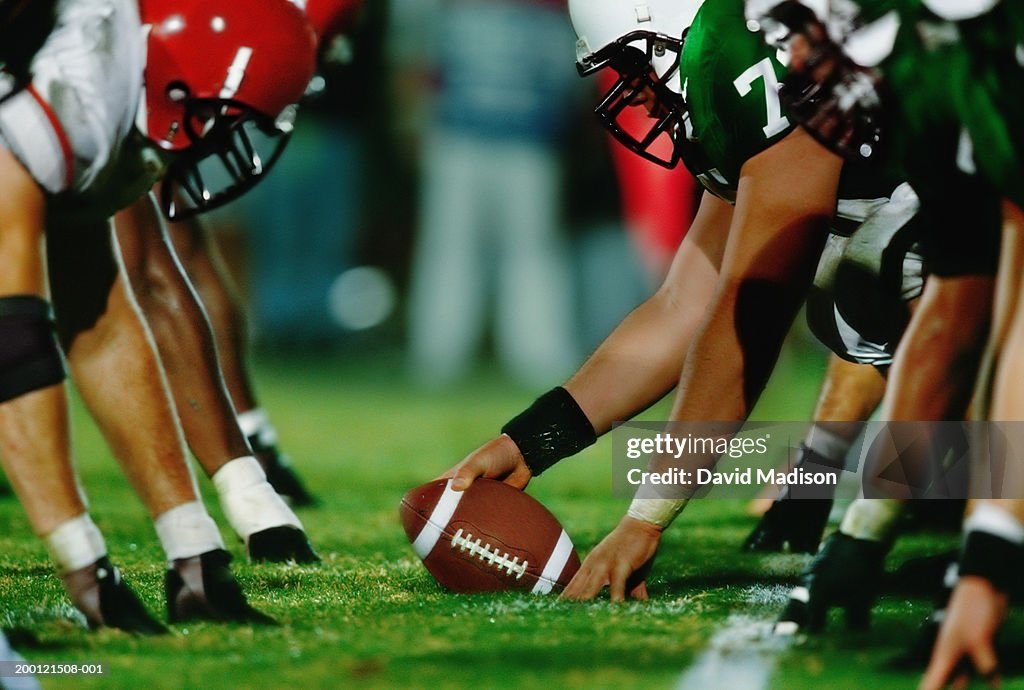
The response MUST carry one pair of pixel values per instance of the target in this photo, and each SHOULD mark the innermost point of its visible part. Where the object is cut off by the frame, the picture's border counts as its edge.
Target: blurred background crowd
(447, 198)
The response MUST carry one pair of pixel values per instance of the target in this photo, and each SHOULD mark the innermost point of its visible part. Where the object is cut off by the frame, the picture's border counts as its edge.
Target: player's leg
(1006, 305)
(199, 255)
(269, 528)
(1007, 394)
(849, 394)
(999, 394)
(848, 569)
(34, 431)
(864, 288)
(118, 374)
(36, 451)
(931, 378)
(33, 416)
(34, 435)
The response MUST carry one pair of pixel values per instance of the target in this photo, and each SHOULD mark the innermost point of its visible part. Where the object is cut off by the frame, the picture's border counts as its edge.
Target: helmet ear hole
(177, 91)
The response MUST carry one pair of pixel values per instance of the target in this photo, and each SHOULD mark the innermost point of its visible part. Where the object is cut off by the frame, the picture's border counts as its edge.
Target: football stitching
(485, 553)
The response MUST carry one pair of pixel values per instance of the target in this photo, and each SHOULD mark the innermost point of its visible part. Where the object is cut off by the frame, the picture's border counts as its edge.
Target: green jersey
(730, 81)
(968, 75)
(956, 111)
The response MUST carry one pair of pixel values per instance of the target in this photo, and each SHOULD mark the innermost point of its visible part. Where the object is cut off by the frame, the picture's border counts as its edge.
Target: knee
(30, 358)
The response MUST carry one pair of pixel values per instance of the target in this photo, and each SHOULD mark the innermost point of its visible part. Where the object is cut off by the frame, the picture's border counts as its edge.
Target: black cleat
(847, 573)
(203, 588)
(281, 545)
(99, 592)
(925, 576)
(280, 474)
(793, 526)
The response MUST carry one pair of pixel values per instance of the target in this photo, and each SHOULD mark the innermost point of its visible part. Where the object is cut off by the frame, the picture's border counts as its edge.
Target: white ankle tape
(75, 544)
(827, 444)
(255, 422)
(252, 420)
(871, 518)
(187, 530)
(250, 504)
(990, 518)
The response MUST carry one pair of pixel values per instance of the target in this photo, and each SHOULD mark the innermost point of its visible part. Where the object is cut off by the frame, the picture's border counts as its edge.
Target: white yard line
(742, 654)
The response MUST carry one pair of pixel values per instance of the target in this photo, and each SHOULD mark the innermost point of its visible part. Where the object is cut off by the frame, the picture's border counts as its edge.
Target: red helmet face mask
(222, 80)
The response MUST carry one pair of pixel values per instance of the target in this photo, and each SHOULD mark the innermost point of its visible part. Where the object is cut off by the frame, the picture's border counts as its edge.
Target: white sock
(187, 530)
(987, 517)
(828, 445)
(871, 518)
(75, 544)
(250, 504)
(255, 422)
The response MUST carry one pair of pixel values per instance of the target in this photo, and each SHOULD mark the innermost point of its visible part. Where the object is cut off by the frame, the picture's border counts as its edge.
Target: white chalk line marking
(742, 654)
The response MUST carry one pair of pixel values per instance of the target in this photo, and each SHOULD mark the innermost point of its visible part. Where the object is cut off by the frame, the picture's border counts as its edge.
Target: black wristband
(994, 558)
(552, 428)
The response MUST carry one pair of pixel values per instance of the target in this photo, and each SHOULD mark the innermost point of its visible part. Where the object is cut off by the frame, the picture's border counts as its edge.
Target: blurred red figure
(658, 204)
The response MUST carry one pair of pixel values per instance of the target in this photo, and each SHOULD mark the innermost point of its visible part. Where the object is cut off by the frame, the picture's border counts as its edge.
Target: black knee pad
(30, 358)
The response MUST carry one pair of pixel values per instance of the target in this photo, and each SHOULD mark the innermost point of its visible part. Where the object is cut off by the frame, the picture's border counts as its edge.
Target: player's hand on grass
(499, 459)
(621, 561)
(965, 646)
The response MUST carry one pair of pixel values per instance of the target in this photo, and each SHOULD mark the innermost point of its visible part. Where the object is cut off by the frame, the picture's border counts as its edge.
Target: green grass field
(370, 615)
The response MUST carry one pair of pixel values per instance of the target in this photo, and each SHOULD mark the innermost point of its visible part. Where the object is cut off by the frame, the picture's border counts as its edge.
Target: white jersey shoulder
(69, 124)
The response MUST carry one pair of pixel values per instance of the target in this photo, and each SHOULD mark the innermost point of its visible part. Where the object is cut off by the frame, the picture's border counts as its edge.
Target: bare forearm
(637, 365)
(937, 362)
(640, 361)
(785, 198)
(735, 351)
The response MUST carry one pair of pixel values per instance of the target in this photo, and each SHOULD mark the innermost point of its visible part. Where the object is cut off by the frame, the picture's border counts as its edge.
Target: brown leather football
(489, 538)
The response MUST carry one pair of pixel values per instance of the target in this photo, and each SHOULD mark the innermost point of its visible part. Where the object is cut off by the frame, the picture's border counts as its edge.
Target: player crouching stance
(70, 157)
(934, 77)
(715, 327)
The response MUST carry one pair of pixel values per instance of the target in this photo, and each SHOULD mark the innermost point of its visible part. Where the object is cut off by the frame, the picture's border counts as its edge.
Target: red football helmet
(222, 78)
(332, 17)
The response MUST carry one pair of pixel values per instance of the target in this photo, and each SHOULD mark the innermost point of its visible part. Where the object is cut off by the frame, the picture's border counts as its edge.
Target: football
(489, 538)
